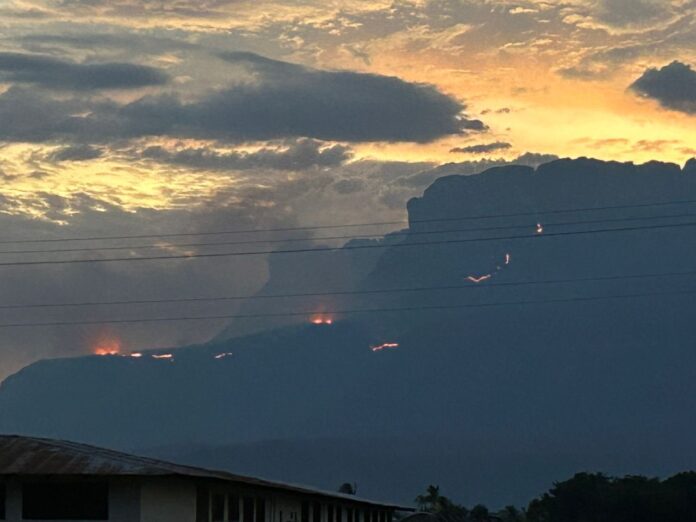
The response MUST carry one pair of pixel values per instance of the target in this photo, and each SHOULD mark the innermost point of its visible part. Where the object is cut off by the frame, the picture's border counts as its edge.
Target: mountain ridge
(592, 375)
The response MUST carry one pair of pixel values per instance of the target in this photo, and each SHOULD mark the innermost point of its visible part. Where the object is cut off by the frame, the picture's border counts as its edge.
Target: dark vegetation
(587, 497)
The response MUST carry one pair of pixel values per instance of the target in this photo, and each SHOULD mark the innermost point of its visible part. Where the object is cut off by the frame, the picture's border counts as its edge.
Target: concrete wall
(124, 500)
(167, 500)
(13, 501)
(286, 507)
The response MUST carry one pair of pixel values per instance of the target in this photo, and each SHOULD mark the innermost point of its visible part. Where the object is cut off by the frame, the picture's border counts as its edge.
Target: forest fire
(163, 356)
(321, 319)
(109, 346)
(476, 279)
(223, 355)
(539, 228)
(384, 346)
(479, 279)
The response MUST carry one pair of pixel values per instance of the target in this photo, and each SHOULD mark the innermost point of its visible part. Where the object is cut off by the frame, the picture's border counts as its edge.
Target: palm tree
(431, 501)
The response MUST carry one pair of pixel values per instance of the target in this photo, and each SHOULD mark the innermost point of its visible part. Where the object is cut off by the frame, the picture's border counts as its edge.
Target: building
(43, 479)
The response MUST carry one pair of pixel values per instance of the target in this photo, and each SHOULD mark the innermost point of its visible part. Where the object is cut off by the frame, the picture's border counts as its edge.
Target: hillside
(504, 398)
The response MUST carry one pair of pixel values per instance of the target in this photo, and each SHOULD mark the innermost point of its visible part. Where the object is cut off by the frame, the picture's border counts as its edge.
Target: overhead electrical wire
(349, 225)
(346, 237)
(544, 235)
(469, 286)
(350, 311)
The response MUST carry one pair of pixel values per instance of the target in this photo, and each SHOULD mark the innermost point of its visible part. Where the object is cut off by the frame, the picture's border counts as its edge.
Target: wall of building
(285, 508)
(124, 500)
(13, 501)
(167, 500)
(171, 499)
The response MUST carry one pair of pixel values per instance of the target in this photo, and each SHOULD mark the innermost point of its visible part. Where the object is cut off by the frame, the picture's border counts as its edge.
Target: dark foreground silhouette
(587, 497)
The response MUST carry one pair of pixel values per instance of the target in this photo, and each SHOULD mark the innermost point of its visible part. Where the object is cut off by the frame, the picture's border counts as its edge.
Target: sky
(126, 117)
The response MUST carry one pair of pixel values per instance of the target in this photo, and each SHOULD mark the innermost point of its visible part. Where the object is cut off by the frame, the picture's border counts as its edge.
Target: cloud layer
(299, 155)
(52, 73)
(673, 86)
(144, 116)
(282, 101)
(483, 148)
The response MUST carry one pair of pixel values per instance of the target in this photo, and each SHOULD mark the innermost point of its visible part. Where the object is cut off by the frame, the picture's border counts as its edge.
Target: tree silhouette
(596, 497)
(479, 513)
(512, 514)
(348, 489)
(586, 497)
(433, 502)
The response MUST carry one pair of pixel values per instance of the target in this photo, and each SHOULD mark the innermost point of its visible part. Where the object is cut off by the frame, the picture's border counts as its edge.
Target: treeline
(587, 497)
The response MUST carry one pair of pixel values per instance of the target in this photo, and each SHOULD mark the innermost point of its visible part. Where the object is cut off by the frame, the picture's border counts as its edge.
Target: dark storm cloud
(482, 148)
(299, 155)
(53, 73)
(336, 105)
(33, 117)
(283, 101)
(673, 86)
(29, 115)
(76, 153)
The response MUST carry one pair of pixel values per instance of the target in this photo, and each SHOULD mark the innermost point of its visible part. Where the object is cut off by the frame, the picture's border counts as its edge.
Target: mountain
(495, 389)
(486, 470)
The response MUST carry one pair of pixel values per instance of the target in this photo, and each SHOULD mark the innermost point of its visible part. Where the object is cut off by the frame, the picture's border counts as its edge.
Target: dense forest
(587, 497)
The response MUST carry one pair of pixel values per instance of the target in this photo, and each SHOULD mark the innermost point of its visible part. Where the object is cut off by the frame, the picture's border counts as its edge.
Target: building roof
(21, 455)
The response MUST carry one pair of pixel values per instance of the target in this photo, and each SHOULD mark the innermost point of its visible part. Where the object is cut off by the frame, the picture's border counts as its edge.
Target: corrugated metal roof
(21, 455)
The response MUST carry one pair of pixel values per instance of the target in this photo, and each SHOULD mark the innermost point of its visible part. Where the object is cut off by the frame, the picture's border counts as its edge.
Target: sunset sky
(142, 116)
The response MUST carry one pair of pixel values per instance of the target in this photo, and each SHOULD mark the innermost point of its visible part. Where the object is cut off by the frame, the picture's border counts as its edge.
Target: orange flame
(485, 277)
(479, 279)
(321, 319)
(384, 346)
(109, 346)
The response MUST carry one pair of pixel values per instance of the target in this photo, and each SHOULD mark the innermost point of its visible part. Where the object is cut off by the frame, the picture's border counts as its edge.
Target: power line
(348, 237)
(653, 275)
(350, 311)
(349, 225)
(343, 248)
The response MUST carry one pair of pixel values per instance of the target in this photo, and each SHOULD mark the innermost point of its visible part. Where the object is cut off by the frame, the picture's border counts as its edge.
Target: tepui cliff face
(558, 310)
